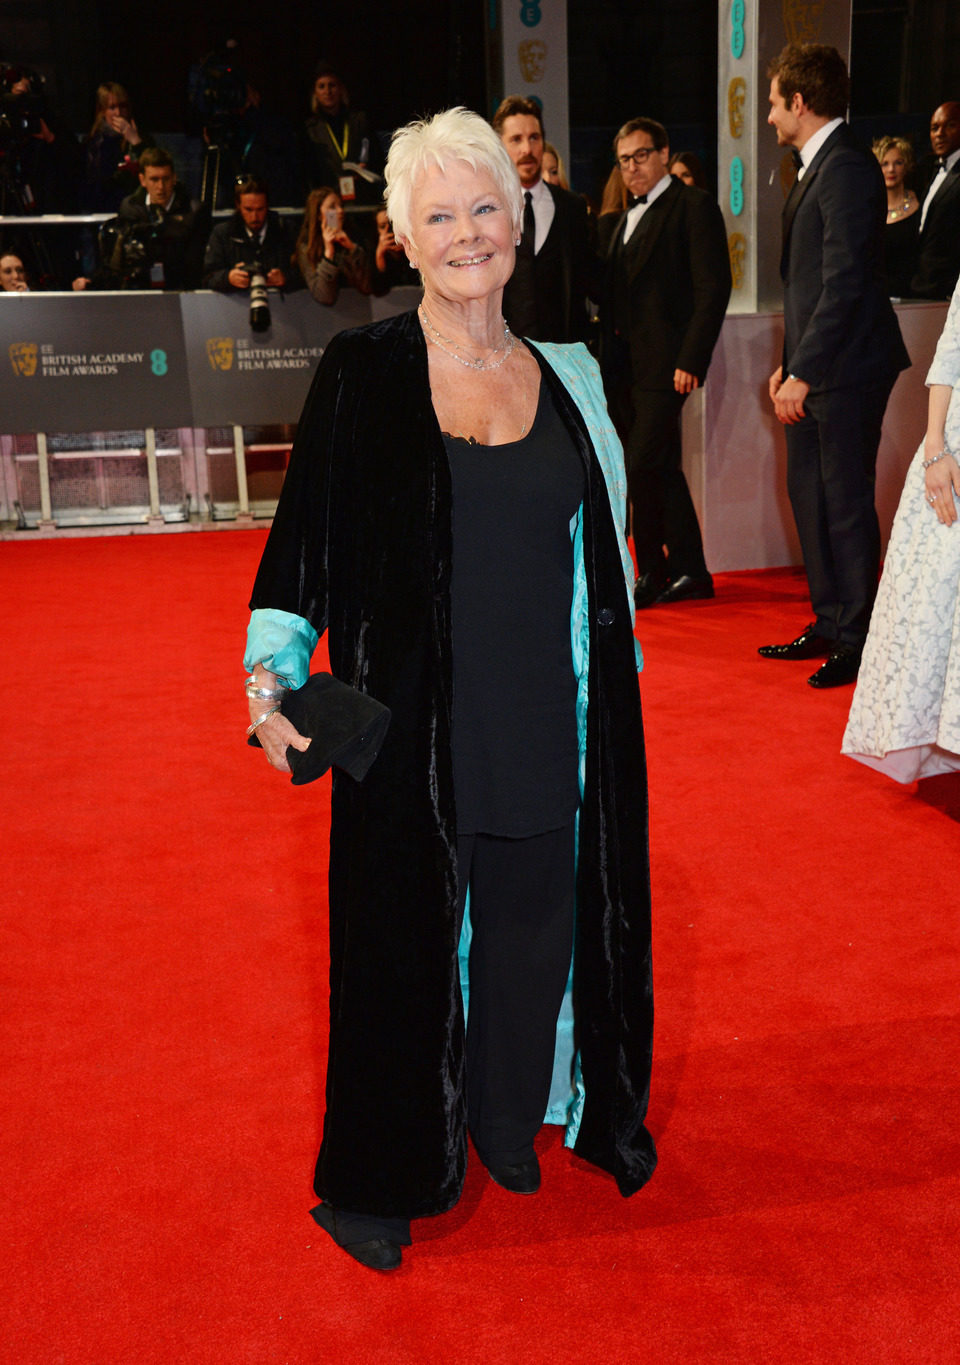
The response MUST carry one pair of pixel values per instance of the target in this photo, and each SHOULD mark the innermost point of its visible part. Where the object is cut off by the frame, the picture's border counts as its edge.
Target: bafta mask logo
(23, 358)
(736, 99)
(803, 20)
(220, 352)
(737, 246)
(532, 56)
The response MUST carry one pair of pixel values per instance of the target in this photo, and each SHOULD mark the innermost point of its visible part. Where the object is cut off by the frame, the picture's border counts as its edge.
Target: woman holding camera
(326, 256)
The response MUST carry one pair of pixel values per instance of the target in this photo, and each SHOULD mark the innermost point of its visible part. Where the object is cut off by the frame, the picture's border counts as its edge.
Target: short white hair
(453, 135)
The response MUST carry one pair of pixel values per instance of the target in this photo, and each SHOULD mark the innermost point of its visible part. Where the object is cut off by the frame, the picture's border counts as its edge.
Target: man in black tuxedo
(546, 297)
(938, 261)
(842, 352)
(665, 293)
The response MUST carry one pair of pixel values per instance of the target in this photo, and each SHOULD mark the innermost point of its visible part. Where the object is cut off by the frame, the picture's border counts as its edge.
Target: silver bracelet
(260, 719)
(264, 693)
(937, 458)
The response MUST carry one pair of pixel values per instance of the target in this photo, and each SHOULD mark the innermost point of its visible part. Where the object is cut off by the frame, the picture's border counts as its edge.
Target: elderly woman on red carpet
(452, 518)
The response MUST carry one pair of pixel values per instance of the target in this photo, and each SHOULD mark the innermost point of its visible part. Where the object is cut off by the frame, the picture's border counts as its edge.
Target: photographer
(253, 234)
(159, 234)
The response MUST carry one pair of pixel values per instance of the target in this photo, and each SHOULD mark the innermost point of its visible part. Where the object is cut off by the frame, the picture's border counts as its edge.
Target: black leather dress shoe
(522, 1177)
(377, 1253)
(686, 589)
(807, 645)
(840, 668)
(647, 589)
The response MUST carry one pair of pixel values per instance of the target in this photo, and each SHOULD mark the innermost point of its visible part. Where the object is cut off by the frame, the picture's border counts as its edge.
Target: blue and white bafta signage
(533, 36)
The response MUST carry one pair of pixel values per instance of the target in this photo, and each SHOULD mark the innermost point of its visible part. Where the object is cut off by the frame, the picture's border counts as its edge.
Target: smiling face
(13, 278)
(328, 94)
(523, 138)
(783, 117)
(461, 235)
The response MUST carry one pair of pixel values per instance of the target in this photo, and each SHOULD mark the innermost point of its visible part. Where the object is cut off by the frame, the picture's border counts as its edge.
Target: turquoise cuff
(282, 642)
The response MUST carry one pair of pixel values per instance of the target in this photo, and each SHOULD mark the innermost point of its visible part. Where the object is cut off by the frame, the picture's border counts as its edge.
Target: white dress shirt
(541, 201)
(813, 144)
(636, 211)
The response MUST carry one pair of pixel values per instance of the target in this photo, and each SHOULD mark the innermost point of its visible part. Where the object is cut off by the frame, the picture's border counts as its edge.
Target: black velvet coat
(361, 546)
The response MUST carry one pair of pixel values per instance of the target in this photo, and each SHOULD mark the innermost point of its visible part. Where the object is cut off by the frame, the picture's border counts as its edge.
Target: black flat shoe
(841, 668)
(686, 589)
(521, 1177)
(807, 645)
(377, 1253)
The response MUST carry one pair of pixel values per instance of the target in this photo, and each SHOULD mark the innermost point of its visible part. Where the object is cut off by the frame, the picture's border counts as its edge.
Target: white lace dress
(905, 716)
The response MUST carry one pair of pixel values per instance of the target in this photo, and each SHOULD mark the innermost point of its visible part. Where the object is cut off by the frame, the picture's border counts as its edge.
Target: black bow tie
(942, 163)
(636, 199)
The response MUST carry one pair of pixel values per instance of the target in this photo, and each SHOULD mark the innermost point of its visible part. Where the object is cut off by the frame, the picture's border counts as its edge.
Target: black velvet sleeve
(293, 572)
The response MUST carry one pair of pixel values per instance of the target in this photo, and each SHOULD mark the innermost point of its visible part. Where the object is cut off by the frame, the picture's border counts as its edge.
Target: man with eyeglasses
(666, 291)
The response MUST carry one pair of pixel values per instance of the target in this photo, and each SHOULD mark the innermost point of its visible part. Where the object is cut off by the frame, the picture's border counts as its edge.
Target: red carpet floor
(164, 984)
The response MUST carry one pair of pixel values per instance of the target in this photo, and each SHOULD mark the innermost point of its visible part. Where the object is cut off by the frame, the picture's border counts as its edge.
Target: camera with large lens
(259, 302)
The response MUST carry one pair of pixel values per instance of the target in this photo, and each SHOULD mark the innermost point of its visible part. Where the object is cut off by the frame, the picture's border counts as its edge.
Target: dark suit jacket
(566, 273)
(938, 264)
(666, 292)
(840, 330)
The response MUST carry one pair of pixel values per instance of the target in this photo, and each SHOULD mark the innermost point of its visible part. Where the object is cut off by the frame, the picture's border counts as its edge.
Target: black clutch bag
(345, 727)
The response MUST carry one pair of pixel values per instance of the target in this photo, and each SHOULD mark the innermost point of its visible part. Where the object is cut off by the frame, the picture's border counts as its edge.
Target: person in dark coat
(557, 269)
(938, 258)
(252, 233)
(452, 518)
(665, 296)
(842, 352)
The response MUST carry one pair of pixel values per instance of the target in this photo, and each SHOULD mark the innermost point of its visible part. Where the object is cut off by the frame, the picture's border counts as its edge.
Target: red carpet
(164, 979)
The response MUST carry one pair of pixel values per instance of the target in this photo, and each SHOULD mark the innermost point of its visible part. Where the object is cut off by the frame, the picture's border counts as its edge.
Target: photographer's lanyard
(340, 151)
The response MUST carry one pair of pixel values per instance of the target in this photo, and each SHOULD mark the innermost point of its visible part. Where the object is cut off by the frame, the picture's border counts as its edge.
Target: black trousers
(831, 472)
(666, 533)
(521, 913)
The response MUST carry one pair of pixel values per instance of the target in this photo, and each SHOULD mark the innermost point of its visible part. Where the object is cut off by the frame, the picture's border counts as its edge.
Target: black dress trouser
(521, 915)
(831, 473)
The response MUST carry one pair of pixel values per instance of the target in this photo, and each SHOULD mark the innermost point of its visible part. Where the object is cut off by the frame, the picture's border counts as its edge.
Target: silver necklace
(902, 208)
(438, 339)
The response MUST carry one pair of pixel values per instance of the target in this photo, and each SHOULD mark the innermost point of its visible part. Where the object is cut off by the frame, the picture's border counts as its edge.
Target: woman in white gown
(905, 717)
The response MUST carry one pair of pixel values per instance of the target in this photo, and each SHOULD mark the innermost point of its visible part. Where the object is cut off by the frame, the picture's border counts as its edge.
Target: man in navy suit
(665, 295)
(938, 260)
(842, 352)
(546, 297)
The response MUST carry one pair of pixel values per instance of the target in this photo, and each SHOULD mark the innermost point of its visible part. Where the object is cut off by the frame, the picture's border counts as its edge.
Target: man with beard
(546, 298)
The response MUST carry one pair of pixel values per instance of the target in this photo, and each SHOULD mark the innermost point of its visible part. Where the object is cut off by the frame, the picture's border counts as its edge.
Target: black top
(900, 246)
(515, 751)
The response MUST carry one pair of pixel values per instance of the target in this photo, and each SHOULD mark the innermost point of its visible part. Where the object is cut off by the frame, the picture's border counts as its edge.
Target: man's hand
(684, 381)
(276, 278)
(788, 397)
(239, 278)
